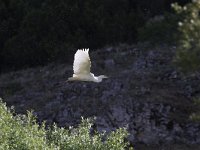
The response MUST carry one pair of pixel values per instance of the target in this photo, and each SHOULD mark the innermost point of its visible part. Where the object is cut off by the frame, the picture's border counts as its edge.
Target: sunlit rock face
(144, 93)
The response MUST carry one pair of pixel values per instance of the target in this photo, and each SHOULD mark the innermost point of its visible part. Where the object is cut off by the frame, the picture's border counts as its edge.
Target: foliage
(195, 116)
(22, 132)
(188, 50)
(37, 32)
(34, 32)
(160, 29)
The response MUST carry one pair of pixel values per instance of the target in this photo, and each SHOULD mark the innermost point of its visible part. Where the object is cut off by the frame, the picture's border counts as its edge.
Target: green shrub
(195, 116)
(188, 50)
(36, 32)
(160, 29)
(20, 132)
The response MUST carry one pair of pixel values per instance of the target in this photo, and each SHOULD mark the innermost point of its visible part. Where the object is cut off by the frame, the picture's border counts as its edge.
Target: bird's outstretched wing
(82, 62)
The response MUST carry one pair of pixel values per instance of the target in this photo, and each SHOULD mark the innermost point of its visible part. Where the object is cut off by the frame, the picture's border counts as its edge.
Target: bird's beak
(105, 76)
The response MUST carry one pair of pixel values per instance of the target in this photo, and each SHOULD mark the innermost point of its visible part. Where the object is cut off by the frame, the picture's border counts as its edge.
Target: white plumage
(82, 66)
(82, 62)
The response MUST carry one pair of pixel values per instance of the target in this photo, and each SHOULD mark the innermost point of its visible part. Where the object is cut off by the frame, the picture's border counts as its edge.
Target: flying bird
(81, 67)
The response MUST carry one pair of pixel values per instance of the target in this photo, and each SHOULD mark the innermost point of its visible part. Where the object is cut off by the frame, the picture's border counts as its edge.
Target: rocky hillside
(144, 91)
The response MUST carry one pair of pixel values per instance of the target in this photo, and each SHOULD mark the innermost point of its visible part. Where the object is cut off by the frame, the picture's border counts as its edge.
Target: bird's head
(99, 78)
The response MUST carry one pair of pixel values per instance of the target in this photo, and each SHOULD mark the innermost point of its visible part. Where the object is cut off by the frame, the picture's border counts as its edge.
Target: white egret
(82, 66)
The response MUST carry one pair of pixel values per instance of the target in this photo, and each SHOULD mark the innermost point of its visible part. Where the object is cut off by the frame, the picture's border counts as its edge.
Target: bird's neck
(97, 79)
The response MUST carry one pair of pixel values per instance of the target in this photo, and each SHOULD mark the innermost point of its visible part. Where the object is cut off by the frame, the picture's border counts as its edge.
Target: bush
(160, 29)
(42, 32)
(36, 32)
(20, 132)
(195, 116)
(188, 50)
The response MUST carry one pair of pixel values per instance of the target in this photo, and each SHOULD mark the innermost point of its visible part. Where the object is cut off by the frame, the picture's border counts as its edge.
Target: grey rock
(146, 94)
(110, 64)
